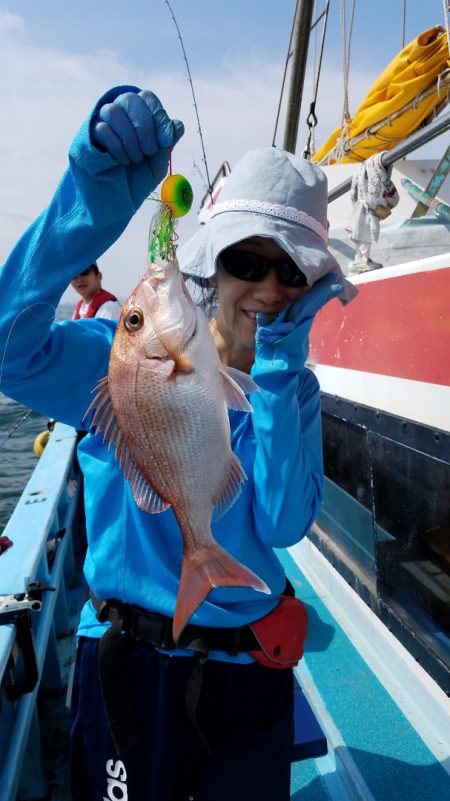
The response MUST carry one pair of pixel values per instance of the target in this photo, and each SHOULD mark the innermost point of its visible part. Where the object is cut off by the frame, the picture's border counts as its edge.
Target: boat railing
(40, 565)
(421, 137)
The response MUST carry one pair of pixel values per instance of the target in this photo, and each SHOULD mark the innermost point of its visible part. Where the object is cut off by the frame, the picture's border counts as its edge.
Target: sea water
(17, 457)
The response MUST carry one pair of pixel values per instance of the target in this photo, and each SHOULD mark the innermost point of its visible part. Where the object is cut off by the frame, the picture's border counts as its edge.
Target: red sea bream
(163, 406)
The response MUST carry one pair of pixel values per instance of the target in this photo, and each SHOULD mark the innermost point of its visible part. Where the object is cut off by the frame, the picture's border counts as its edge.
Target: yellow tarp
(412, 71)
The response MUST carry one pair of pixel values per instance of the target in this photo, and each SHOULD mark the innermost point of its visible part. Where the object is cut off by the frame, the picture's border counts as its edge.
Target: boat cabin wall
(385, 523)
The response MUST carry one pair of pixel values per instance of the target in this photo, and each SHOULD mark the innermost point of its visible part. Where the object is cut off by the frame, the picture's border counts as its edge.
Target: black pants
(246, 711)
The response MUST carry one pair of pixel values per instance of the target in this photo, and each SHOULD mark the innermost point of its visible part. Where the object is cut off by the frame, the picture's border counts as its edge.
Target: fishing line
(209, 188)
(15, 427)
(27, 308)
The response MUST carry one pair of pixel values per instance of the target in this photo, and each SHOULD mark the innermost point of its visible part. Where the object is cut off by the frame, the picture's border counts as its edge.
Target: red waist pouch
(281, 634)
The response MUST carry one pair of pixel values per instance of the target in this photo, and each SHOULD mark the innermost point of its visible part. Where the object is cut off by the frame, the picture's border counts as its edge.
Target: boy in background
(95, 301)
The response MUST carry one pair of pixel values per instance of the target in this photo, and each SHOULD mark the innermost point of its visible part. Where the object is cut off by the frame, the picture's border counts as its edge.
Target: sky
(58, 57)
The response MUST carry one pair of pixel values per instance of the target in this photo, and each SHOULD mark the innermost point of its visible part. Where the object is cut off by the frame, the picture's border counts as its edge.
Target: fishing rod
(209, 188)
(15, 427)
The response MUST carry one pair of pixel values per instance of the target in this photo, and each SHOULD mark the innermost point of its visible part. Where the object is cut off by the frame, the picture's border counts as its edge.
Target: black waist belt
(133, 624)
(156, 629)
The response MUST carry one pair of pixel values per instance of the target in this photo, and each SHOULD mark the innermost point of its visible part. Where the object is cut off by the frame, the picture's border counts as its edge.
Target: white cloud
(50, 92)
(10, 21)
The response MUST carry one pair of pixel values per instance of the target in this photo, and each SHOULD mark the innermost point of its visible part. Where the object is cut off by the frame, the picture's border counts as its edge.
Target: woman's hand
(288, 334)
(135, 127)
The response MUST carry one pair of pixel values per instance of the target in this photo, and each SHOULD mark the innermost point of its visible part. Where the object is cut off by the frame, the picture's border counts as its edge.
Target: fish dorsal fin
(235, 384)
(233, 488)
(105, 420)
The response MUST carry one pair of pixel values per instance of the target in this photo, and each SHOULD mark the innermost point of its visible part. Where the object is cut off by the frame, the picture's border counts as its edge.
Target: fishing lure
(176, 200)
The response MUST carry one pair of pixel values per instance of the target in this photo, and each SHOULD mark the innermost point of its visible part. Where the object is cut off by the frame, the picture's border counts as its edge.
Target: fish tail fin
(203, 571)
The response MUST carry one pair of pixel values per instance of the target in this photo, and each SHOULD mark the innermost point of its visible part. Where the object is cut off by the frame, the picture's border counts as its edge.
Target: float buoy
(41, 440)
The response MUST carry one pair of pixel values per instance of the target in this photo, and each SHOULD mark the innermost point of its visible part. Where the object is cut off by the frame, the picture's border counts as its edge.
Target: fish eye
(134, 319)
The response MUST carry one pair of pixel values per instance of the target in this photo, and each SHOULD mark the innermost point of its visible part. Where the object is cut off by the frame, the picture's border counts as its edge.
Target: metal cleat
(16, 609)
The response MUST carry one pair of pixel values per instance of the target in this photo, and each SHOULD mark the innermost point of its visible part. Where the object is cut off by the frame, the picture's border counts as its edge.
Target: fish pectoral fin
(235, 384)
(243, 380)
(232, 489)
(201, 572)
(144, 494)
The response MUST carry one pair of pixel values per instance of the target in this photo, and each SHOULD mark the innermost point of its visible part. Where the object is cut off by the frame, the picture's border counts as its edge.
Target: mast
(304, 11)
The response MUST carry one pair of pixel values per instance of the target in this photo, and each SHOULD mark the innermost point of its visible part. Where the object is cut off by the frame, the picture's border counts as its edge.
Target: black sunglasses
(251, 267)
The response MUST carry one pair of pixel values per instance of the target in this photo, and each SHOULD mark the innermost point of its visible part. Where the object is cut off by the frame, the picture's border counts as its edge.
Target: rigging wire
(311, 119)
(315, 29)
(15, 427)
(446, 7)
(404, 24)
(288, 56)
(209, 187)
(346, 46)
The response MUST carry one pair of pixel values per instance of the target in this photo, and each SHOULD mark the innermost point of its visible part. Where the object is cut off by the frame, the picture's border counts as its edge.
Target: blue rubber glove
(135, 127)
(288, 335)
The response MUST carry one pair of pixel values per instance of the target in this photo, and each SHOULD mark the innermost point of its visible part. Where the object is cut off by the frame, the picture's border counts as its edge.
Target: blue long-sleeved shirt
(52, 367)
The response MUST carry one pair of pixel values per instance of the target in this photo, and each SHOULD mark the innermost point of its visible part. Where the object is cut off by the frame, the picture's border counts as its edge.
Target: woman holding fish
(176, 691)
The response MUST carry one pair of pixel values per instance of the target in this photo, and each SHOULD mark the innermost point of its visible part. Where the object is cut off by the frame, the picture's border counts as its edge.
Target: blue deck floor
(388, 754)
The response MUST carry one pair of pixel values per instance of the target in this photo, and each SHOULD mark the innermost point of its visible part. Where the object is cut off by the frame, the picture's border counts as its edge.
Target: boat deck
(385, 721)
(375, 751)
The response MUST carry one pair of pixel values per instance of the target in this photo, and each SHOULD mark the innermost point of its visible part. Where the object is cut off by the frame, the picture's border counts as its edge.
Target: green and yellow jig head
(176, 201)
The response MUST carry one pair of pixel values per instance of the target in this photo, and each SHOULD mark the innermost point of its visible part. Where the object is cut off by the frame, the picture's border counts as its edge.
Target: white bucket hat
(275, 194)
